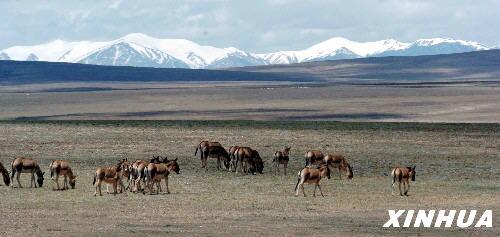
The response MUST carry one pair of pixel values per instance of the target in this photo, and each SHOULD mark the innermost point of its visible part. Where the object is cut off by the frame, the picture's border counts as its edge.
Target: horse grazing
(111, 175)
(26, 165)
(403, 175)
(281, 158)
(232, 157)
(339, 162)
(203, 144)
(251, 162)
(61, 167)
(155, 172)
(5, 174)
(313, 157)
(311, 175)
(217, 152)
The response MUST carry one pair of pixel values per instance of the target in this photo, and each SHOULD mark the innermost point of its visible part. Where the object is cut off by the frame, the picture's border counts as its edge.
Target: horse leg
(218, 163)
(407, 187)
(97, 184)
(123, 187)
(57, 182)
(314, 193)
(115, 187)
(98, 187)
(65, 185)
(340, 174)
(302, 186)
(320, 191)
(166, 183)
(32, 179)
(285, 167)
(18, 175)
(392, 186)
(400, 193)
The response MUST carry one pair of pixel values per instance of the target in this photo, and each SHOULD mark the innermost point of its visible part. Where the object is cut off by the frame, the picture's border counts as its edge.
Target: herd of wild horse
(143, 175)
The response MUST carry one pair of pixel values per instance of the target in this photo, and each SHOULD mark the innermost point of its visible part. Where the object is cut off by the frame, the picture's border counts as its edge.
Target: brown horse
(125, 174)
(5, 174)
(281, 158)
(311, 176)
(339, 162)
(313, 157)
(403, 175)
(202, 144)
(61, 167)
(26, 165)
(156, 172)
(137, 173)
(251, 162)
(111, 175)
(217, 152)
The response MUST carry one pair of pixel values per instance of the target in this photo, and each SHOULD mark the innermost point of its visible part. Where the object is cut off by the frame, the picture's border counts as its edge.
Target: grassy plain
(469, 102)
(458, 167)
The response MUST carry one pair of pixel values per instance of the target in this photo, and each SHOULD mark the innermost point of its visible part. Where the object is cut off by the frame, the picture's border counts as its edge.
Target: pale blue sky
(253, 25)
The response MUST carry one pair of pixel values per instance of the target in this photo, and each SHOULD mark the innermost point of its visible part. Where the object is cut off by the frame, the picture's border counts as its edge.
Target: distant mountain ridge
(141, 50)
(481, 66)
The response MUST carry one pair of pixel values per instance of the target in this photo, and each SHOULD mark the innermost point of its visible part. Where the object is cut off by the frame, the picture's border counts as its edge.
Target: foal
(311, 176)
(403, 175)
(61, 167)
(281, 158)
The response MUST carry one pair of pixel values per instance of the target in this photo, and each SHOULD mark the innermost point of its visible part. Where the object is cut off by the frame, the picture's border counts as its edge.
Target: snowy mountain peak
(436, 41)
(137, 49)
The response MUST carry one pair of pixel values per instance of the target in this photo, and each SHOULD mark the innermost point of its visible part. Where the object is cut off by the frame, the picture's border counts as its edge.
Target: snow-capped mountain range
(144, 51)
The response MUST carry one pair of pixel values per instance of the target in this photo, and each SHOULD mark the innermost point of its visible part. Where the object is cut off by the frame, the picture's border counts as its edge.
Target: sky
(253, 25)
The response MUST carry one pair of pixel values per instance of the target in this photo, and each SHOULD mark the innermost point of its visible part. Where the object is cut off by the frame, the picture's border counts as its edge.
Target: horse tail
(95, 175)
(13, 169)
(393, 174)
(298, 181)
(51, 169)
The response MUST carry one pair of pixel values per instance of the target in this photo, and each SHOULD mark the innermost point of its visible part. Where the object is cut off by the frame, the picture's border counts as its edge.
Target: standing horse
(281, 157)
(61, 167)
(403, 175)
(339, 162)
(156, 172)
(111, 175)
(311, 176)
(137, 173)
(26, 165)
(313, 157)
(5, 174)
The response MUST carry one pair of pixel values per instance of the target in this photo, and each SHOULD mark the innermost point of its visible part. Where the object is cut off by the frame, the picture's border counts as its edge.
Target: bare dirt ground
(468, 102)
(458, 167)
